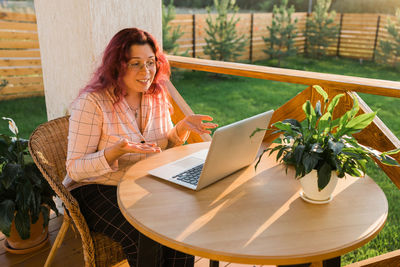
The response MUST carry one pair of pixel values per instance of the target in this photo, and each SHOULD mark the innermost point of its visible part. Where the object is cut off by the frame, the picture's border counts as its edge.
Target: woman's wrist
(179, 131)
(112, 153)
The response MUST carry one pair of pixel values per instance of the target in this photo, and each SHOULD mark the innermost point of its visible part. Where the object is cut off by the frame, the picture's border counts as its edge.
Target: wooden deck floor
(69, 253)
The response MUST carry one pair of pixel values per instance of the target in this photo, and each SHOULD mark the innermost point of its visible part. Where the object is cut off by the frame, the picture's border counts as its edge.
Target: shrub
(280, 43)
(391, 48)
(170, 37)
(320, 29)
(223, 40)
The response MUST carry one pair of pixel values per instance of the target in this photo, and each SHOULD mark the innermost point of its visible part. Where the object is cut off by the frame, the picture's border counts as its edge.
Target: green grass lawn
(232, 98)
(27, 113)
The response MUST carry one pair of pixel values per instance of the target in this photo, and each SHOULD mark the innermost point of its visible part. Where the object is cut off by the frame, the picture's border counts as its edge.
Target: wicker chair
(48, 147)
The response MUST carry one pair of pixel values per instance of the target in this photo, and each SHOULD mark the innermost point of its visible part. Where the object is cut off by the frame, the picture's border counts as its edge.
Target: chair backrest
(49, 143)
(48, 147)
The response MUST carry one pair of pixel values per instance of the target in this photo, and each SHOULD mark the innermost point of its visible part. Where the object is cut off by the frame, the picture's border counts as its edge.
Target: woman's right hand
(131, 147)
(124, 146)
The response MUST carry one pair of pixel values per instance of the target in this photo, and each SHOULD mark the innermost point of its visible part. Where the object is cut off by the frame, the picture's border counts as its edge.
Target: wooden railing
(376, 135)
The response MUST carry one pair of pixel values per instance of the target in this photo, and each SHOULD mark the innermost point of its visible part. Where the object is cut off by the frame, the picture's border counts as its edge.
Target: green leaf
(300, 172)
(334, 103)
(50, 202)
(11, 171)
(391, 152)
(360, 122)
(355, 125)
(23, 224)
(279, 154)
(24, 198)
(335, 146)
(324, 175)
(318, 109)
(3, 146)
(324, 123)
(259, 158)
(321, 92)
(317, 148)
(310, 114)
(388, 160)
(7, 208)
(256, 131)
(45, 213)
(295, 123)
(298, 153)
(354, 110)
(310, 161)
(282, 126)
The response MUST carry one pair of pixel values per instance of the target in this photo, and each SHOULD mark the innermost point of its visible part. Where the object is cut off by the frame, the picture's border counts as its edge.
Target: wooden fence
(20, 64)
(20, 61)
(359, 34)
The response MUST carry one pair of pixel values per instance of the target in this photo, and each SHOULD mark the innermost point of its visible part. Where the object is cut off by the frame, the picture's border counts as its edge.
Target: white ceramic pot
(311, 193)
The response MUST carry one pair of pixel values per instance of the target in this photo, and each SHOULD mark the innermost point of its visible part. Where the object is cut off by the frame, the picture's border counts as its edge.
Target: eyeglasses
(138, 65)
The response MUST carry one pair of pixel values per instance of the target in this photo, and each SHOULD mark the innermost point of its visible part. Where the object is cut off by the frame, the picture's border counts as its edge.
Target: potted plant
(322, 149)
(25, 196)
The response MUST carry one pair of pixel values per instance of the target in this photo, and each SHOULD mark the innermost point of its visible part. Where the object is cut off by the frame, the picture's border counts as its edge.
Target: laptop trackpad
(188, 163)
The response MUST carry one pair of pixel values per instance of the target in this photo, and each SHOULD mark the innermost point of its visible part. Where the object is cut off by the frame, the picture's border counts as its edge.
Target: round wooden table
(251, 216)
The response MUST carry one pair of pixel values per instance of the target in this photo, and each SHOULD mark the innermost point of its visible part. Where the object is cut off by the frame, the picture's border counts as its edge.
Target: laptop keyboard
(190, 176)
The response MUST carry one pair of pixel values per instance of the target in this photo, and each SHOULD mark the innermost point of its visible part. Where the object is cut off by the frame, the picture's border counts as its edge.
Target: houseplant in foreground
(25, 196)
(321, 149)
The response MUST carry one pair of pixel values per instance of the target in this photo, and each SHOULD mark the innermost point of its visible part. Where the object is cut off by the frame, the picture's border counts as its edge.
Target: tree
(391, 48)
(223, 40)
(170, 37)
(320, 29)
(280, 43)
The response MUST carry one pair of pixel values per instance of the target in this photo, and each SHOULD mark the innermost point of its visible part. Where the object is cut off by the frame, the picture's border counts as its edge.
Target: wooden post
(251, 37)
(376, 37)
(194, 35)
(340, 32)
(306, 34)
(72, 41)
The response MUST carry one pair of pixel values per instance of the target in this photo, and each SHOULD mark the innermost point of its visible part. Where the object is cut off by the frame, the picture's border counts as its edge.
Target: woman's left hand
(195, 124)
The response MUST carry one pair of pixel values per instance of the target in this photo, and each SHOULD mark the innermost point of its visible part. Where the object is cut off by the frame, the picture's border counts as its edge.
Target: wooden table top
(251, 217)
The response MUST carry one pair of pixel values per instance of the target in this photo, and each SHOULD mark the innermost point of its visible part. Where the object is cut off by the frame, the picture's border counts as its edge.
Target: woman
(119, 118)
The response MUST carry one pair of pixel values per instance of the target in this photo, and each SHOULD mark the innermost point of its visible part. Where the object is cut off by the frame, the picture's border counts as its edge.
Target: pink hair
(114, 63)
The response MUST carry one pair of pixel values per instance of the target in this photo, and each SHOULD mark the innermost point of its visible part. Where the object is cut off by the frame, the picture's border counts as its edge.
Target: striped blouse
(97, 121)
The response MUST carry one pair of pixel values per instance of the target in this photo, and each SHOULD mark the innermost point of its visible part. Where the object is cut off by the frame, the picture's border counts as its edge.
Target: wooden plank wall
(20, 61)
(357, 36)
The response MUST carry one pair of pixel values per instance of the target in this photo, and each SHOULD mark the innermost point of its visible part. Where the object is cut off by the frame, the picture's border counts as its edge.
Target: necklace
(135, 111)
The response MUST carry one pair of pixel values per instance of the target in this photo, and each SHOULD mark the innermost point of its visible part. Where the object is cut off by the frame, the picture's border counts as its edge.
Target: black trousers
(99, 206)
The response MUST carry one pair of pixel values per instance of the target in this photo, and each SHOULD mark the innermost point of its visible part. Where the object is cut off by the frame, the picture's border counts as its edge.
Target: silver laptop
(231, 149)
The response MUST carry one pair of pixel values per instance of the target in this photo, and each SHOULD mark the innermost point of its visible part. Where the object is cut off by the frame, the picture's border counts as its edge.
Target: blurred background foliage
(341, 6)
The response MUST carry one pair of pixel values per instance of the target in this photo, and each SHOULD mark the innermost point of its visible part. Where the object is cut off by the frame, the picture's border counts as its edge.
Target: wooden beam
(181, 110)
(339, 82)
(377, 135)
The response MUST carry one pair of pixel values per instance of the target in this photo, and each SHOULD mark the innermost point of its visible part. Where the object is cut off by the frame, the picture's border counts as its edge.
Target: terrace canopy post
(72, 36)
